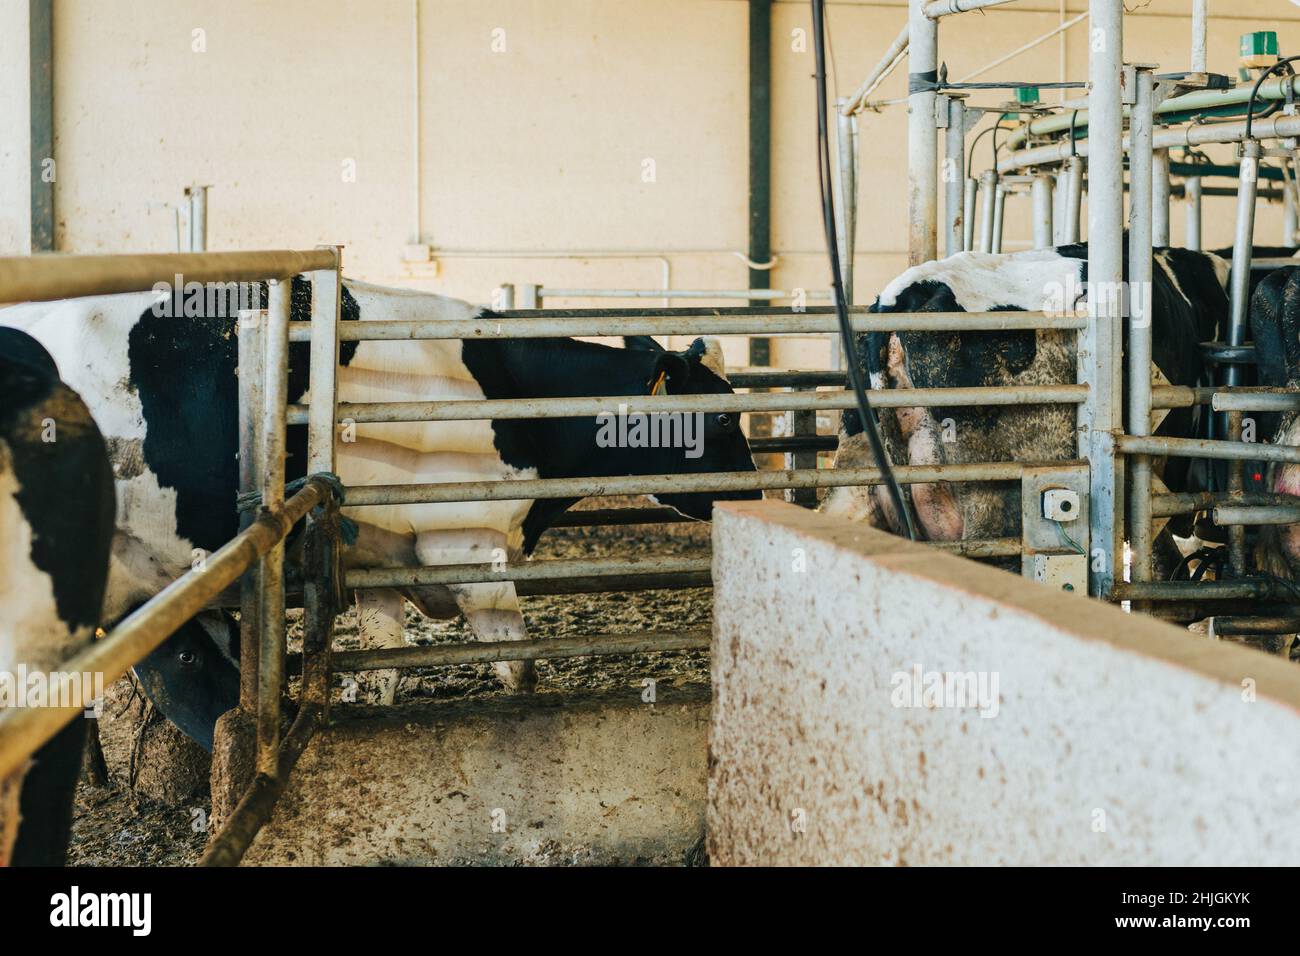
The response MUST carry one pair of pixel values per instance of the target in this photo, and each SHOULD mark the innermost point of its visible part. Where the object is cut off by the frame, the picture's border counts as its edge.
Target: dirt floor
(161, 821)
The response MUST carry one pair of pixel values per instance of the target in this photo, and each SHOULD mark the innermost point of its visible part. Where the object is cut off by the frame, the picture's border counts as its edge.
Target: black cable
(1254, 91)
(870, 426)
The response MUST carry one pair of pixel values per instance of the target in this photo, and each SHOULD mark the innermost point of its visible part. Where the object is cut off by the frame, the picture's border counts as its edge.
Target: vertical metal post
(1141, 224)
(507, 295)
(922, 141)
(1289, 219)
(969, 192)
(1100, 346)
(760, 159)
(198, 200)
(1059, 191)
(801, 423)
(530, 296)
(318, 591)
(41, 110)
(999, 216)
(988, 209)
(1192, 192)
(326, 305)
(1239, 304)
(1160, 197)
(251, 379)
(848, 219)
(275, 397)
(1041, 196)
(1199, 24)
(954, 175)
(1073, 200)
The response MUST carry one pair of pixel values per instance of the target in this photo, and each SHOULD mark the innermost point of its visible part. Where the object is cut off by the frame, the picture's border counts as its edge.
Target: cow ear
(674, 367)
(643, 342)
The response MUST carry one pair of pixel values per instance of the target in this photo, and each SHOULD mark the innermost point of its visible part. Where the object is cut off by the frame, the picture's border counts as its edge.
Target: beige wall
(536, 148)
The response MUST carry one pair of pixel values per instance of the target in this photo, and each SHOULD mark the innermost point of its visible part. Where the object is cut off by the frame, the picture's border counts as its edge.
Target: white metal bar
(1159, 197)
(1100, 347)
(1041, 195)
(988, 194)
(326, 302)
(1143, 219)
(922, 139)
(999, 216)
(944, 8)
(1200, 23)
(885, 66)
(1192, 198)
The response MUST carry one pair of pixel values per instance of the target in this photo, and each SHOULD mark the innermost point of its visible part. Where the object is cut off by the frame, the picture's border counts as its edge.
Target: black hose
(1254, 90)
(870, 425)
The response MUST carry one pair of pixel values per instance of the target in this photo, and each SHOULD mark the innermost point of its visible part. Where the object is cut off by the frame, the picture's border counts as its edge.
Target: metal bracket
(1055, 551)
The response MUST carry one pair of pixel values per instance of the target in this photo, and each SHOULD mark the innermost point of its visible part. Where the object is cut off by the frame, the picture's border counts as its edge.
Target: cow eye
(188, 658)
(724, 420)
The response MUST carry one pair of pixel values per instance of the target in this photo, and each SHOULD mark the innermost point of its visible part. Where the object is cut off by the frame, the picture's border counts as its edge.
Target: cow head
(202, 658)
(1275, 327)
(703, 442)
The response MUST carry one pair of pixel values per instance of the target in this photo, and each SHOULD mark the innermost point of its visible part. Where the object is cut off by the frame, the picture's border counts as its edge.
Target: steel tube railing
(1142, 194)
(600, 322)
(1206, 448)
(715, 481)
(539, 408)
(44, 278)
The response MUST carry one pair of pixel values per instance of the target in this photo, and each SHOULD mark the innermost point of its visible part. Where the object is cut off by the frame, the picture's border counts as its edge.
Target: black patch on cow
(184, 371)
(65, 495)
(1275, 327)
(208, 674)
(65, 486)
(566, 447)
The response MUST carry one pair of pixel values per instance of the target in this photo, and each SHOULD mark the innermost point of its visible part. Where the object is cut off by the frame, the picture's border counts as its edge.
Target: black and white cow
(1275, 328)
(1189, 305)
(56, 526)
(165, 393)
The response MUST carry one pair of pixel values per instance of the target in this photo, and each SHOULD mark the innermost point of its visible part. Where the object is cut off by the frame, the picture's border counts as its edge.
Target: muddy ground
(161, 820)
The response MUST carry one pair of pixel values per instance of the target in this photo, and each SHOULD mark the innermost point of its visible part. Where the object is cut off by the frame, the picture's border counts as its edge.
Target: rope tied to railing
(251, 501)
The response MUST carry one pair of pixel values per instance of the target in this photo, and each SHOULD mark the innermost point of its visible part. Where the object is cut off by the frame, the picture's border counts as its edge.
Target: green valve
(1029, 94)
(1258, 49)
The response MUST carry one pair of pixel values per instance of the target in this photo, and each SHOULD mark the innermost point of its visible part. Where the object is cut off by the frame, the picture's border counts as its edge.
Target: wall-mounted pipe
(922, 141)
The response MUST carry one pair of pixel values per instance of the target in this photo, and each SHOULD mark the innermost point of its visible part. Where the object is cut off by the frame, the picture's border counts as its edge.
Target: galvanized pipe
(1073, 200)
(954, 176)
(271, 626)
(198, 201)
(999, 215)
(23, 730)
(1192, 194)
(884, 66)
(922, 141)
(554, 648)
(943, 8)
(970, 190)
(1253, 588)
(1159, 195)
(1289, 219)
(622, 405)
(1235, 515)
(1207, 448)
(1101, 344)
(1280, 126)
(848, 218)
(1143, 216)
(528, 489)
(1243, 240)
(252, 376)
(988, 209)
(1184, 503)
(524, 571)
(1240, 626)
(46, 278)
(326, 301)
(1245, 399)
(1200, 25)
(606, 322)
(1041, 196)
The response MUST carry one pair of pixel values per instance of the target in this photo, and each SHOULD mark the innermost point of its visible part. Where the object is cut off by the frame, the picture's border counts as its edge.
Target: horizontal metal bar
(554, 648)
(1225, 626)
(1195, 590)
(714, 481)
(24, 729)
(786, 378)
(546, 292)
(1256, 400)
(1237, 514)
(1165, 506)
(524, 571)
(1206, 448)
(943, 8)
(56, 276)
(600, 322)
(532, 408)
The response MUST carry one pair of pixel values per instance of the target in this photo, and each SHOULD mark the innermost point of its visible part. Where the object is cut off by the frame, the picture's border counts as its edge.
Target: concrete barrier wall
(550, 779)
(1077, 734)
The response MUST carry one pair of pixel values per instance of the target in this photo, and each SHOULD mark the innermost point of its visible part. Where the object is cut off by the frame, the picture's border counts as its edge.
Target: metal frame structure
(255, 558)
